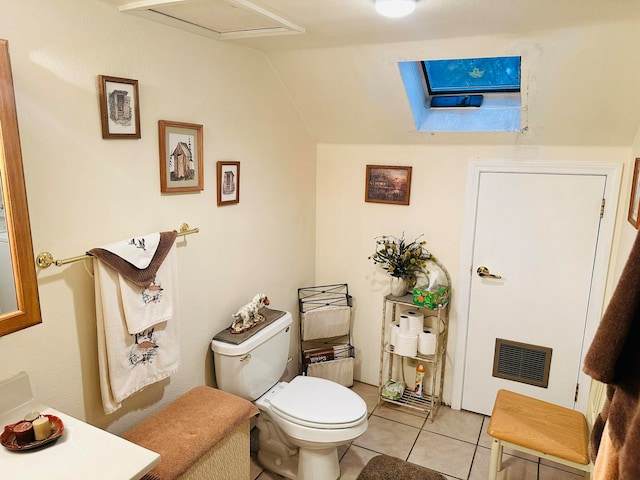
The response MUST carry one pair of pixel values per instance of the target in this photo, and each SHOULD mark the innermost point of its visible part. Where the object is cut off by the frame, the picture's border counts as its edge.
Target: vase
(398, 286)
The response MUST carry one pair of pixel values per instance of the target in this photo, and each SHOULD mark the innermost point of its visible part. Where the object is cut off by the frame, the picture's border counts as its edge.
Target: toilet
(301, 422)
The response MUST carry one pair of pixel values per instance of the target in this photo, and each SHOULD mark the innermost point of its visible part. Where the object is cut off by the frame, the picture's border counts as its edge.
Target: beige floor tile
(385, 436)
(354, 461)
(513, 468)
(550, 473)
(458, 424)
(559, 466)
(256, 468)
(443, 454)
(401, 415)
(369, 394)
(267, 475)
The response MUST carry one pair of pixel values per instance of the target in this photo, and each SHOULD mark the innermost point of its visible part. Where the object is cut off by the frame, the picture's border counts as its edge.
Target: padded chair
(538, 428)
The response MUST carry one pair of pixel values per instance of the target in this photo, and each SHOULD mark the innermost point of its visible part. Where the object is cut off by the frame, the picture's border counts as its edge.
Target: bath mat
(237, 338)
(384, 467)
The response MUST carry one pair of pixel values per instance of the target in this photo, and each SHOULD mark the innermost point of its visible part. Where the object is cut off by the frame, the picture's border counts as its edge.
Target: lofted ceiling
(299, 24)
(338, 60)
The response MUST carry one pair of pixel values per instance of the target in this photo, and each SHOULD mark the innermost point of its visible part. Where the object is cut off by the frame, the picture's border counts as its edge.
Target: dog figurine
(248, 316)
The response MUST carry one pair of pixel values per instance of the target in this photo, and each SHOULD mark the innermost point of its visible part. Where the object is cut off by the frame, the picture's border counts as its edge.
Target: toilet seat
(318, 403)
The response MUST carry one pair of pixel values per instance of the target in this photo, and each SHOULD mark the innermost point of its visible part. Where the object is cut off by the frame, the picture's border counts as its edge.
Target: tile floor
(455, 444)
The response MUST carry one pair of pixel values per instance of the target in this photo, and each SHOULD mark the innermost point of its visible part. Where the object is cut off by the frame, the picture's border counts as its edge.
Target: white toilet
(302, 422)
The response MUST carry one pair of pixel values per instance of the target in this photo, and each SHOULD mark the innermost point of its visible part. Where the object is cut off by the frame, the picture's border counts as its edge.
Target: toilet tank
(250, 368)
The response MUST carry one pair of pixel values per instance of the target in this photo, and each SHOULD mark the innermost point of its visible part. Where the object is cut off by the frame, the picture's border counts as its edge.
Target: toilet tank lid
(224, 348)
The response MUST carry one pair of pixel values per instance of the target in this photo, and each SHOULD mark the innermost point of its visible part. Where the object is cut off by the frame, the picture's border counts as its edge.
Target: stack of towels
(136, 310)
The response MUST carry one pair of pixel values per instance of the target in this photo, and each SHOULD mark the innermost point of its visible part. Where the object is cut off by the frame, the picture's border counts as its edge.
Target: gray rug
(384, 467)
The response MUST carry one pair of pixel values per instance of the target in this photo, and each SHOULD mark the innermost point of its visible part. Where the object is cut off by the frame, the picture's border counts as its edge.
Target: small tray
(8, 439)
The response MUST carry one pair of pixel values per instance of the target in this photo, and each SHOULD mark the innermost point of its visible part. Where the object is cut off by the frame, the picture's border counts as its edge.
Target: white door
(540, 233)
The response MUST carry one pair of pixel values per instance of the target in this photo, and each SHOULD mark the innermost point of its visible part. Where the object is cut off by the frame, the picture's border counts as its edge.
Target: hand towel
(137, 259)
(128, 362)
(614, 358)
(325, 322)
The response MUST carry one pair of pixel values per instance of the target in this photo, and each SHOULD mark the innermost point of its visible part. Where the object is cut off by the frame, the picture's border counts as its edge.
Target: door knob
(484, 272)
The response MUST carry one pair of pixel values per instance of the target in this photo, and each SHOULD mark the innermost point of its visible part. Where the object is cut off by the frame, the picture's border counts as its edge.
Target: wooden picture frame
(228, 183)
(634, 200)
(119, 107)
(388, 184)
(181, 157)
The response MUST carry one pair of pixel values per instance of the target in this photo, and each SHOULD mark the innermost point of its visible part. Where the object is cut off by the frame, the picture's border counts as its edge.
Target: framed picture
(634, 201)
(387, 184)
(228, 183)
(181, 160)
(119, 107)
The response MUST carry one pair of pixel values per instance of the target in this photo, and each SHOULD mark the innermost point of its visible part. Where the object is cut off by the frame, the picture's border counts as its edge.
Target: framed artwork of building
(181, 157)
(634, 201)
(119, 107)
(228, 183)
(388, 184)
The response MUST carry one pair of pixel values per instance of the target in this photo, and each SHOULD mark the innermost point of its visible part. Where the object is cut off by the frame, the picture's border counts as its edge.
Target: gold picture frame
(181, 157)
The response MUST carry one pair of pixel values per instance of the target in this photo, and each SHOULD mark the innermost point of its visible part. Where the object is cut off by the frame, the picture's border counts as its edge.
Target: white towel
(130, 362)
(137, 251)
(146, 307)
(325, 322)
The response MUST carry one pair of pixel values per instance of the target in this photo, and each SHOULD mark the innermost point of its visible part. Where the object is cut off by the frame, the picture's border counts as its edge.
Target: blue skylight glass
(472, 75)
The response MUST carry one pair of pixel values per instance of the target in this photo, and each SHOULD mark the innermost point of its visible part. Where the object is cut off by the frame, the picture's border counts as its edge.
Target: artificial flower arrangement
(400, 258)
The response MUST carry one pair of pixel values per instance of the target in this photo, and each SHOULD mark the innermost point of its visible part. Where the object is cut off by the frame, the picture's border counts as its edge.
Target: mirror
(14, 197)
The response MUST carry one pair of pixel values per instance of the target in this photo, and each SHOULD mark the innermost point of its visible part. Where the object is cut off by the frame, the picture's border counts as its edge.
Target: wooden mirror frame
(17, 213)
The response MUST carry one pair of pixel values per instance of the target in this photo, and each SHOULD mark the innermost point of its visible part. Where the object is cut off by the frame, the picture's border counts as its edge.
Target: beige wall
(347, 226)
(84, 191)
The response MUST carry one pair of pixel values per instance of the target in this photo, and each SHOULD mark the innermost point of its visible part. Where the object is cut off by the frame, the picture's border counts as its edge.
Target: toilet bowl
(314, 416)
(301, 422)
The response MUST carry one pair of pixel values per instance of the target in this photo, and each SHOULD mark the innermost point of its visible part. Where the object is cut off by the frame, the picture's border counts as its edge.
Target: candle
(41, 428)
(23, 432)
(31, 416)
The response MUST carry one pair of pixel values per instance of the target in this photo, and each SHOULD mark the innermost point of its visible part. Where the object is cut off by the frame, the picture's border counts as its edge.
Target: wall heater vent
(522, 362)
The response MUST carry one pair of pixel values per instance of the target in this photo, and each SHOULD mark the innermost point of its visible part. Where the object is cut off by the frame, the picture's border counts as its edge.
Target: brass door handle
(484, 272)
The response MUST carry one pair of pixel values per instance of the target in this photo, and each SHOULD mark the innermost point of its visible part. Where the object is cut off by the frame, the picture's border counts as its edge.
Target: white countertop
(83, 451)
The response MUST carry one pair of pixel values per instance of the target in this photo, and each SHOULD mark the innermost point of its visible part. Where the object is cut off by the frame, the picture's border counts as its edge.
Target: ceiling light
(395, 8)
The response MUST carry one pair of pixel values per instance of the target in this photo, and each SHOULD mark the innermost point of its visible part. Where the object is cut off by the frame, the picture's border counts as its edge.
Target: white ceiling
(338, 61)
(336, 23)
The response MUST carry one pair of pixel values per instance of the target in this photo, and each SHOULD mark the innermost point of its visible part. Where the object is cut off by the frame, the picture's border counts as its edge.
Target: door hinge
(602, 208)
(575, 399)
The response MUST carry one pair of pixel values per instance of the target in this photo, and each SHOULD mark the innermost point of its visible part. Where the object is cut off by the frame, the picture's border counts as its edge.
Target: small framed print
(387, 184)
(119, 107)
(228, 183)
(634, 201)
(181, 157)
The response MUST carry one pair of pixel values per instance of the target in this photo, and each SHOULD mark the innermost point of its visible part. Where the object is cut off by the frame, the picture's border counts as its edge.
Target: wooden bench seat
(539, 428)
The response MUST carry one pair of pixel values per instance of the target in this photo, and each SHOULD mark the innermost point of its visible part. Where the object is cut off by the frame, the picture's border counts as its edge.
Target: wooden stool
(538, 428)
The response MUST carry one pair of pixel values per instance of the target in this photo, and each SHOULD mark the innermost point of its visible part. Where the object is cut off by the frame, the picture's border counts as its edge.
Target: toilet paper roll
(405, 326)
(406, 345)
(416, 321)
(393, 332)
(427, 343)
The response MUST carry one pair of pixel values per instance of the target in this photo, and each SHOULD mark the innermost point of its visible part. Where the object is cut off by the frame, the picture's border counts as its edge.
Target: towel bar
(45, 259)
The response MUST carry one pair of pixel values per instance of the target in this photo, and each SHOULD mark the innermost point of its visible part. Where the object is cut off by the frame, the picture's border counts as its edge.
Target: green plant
(401, 258)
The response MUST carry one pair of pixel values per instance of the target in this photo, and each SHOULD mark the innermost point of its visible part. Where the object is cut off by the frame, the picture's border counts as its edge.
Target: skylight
(464, 95)
(472, 75)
